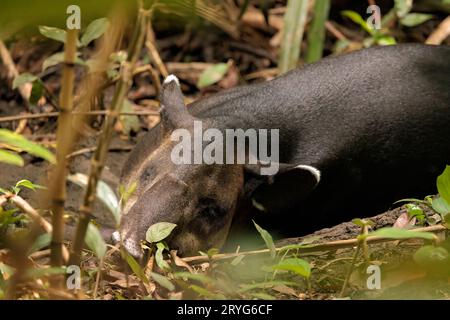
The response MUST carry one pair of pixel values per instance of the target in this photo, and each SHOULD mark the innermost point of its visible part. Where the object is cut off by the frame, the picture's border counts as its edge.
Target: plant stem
(294, 25)
(98, 161)
(316, 33)
(58, 188)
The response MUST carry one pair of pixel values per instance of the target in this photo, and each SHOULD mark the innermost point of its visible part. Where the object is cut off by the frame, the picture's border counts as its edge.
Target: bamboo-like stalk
(294, 26)
(99, 157)
(316, 33)
(58, 187)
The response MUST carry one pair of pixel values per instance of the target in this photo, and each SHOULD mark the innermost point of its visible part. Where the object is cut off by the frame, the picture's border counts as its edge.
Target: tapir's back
(374, 122)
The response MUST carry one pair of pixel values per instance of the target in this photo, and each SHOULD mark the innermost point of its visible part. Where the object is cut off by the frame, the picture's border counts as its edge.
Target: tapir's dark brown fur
(375, 123)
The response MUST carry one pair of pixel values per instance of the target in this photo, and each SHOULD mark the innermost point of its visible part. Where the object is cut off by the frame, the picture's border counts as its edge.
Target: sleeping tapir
(355, 133)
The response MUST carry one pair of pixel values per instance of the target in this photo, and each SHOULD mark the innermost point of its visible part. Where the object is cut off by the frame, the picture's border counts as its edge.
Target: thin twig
(75, 113)
(441, 33)
(25, 89)
(92, 149)
(327, 246)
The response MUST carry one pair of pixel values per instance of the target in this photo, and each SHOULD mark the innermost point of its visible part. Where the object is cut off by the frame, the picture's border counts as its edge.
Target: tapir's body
(375, 123)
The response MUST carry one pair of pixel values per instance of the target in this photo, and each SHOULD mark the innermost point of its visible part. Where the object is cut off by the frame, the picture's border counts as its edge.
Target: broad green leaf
(162, 281)
(414, 210)
(41, 242)
(11, 158)
(440, 206)
(160, 247)
(212, 74)
(403, 7)
(94, 241)
(362, 222)
(296, 265)
(126, 193)
(206, 293)
(397, 233)
(36, 92)
(53, 33)
(94, 30)
(23, 78)
(267, 239)
(134, 265)
(430, 255)
(237, 260)
(129, 122)
(29, 185)
(159, 231)
(104, 193)
(16, 140)
(443, 184)
(265, 285)
(356, 18)
(59, 58)
(386, 41)
(36, 273)
(193, 276)
(414, 19)
(6, 270)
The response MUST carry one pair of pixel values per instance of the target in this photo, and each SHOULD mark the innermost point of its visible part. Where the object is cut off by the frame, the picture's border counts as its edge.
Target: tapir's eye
(209, 208)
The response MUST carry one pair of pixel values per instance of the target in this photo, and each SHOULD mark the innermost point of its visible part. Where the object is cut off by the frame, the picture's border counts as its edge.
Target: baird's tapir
(357, 132)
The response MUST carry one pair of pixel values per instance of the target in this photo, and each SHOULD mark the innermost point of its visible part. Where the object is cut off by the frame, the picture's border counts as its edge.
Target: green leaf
(385, 40)
(160, 258)
(16, 140)
(212, 74)
(296, 265)
(11, 158)
(94, 30)
(29, 185)
(414, 19)
(429, 256)
(134, 266)
(126, 193)
(414, 210)
(193, 276)
(162, 281)
(36, 92)
(59, 58)
(41, 242)
(104, 193)
(403, 7)
(396, 233)
(267, 239)
(36, 273)
(53, 33)
(129, 122)
(262, 296)
(443, 184)
(440, 206)
(159, 231)
(237, 260)
(23, 78)
(356, 18)
(94, 241)
(265, 285)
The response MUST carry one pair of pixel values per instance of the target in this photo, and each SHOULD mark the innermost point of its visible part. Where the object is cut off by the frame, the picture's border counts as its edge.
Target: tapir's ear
(290, 185)
(174, 113)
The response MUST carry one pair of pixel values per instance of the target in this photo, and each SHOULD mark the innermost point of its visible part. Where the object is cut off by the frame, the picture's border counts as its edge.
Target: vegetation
(107, 93)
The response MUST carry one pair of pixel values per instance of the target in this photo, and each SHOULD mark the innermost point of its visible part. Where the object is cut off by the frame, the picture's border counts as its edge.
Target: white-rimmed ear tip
(314, 171)
(171, 78)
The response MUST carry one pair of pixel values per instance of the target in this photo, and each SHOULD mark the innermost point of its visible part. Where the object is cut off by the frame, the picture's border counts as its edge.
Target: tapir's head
(200, 198)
